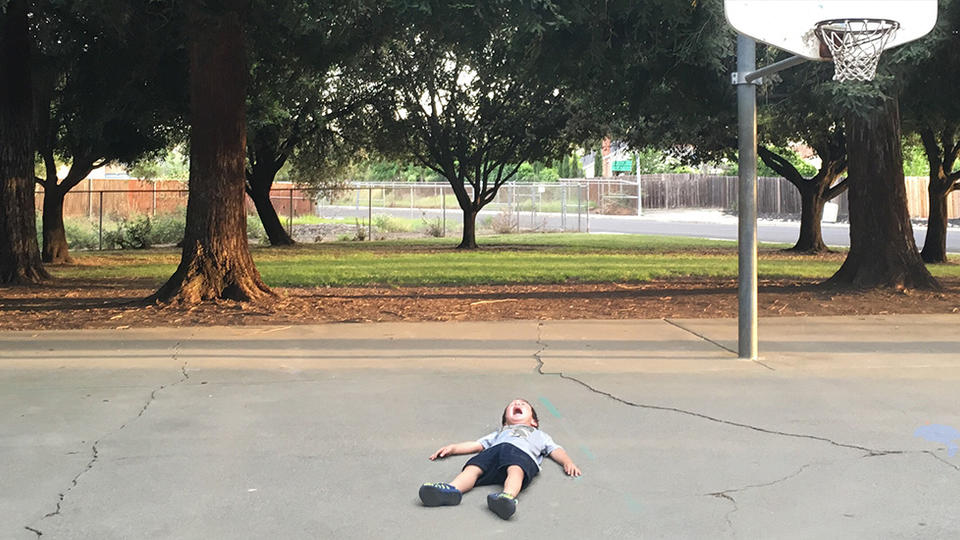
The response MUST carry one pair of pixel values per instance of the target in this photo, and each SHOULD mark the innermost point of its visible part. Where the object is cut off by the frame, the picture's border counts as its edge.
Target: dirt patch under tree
(68, 304)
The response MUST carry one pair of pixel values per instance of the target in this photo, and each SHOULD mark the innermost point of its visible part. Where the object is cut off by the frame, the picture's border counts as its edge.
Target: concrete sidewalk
(324, 431)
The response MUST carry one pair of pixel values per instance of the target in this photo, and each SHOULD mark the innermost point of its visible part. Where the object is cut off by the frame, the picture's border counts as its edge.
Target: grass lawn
(529, 258)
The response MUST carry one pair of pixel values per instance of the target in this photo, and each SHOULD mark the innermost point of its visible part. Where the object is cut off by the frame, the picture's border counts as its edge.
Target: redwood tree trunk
(55, 248)
(19, 251)
(935, 243)
(469, 239)
(216, 261)
(882, 249)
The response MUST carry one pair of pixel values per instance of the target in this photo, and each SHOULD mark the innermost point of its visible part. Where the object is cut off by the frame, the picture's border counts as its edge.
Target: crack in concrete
(726, 517)
(540, 365)
(712, 342)
(725, 494)
(941, 460)
(766, 484)
(868, 452)
(95, 446)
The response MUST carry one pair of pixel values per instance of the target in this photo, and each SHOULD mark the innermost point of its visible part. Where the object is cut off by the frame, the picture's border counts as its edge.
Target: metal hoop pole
(100, 233)
(757, 75)
(748, 341)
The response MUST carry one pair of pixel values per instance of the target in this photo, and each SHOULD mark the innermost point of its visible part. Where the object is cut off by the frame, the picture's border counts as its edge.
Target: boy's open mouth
(517, 410)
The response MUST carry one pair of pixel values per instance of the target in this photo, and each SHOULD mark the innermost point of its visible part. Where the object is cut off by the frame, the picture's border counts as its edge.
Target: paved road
(695, 224)
(324, 431)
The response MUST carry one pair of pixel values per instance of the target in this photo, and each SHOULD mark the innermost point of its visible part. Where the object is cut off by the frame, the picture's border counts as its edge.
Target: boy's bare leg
(468, 478)
(514, 481)
(504, 504)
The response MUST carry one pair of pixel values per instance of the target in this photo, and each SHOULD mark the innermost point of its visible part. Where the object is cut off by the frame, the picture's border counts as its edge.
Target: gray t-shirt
(531, 440)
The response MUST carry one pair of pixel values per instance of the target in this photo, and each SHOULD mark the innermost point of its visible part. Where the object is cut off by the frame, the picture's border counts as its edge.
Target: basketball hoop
(855, 45)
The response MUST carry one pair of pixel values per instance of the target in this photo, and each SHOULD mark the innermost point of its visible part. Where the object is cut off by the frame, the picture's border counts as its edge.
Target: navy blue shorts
(494, 462)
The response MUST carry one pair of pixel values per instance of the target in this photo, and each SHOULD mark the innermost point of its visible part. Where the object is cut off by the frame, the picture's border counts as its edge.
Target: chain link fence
(106, 218)
(119, 218)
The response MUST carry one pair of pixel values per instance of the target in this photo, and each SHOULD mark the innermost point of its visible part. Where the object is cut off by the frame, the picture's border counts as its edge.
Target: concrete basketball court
(324, 431)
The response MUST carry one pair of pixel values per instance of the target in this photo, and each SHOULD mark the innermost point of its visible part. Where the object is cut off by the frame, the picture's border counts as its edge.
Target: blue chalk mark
(941, 434)
(588, 453)
(553, 410)
(632, 503)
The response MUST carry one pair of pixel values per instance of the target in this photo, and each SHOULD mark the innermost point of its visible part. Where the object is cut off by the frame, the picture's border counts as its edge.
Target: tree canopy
(307, 78)
(467, 105)
(931, 111)
(102, 95)
(470, 91)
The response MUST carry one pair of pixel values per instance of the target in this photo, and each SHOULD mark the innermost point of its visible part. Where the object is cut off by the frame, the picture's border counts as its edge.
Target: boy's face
(519, 412)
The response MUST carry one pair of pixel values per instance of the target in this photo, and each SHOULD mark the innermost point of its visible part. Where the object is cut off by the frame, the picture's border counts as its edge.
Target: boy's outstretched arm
(560, 456)
(466, 447)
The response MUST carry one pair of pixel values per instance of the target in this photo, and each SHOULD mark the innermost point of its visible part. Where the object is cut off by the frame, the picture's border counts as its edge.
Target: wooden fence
(126, 198)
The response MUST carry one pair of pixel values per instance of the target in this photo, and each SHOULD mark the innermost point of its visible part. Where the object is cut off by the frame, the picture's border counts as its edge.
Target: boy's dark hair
(503, 419)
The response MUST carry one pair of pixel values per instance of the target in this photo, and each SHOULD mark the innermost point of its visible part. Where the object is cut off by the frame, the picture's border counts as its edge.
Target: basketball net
(855, 45)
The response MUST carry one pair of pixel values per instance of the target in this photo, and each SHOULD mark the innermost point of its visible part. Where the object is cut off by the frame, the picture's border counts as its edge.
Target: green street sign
(622, 166)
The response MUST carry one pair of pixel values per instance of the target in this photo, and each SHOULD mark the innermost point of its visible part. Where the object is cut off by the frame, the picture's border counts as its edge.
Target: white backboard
(790, 24)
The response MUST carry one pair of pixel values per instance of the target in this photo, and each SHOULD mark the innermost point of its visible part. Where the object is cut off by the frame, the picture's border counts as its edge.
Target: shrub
(255, 230)
(432, 227)
(361, 231)
(137, 233)
(548, 174)
(132, 233)
(385, 223)
(359, 235)
(526, 173)
(168, 229)
(81, 234)
(503, 223)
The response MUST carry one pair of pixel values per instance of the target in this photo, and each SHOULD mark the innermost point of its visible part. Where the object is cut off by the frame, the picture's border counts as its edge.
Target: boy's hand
(443, 452)
(560, 456)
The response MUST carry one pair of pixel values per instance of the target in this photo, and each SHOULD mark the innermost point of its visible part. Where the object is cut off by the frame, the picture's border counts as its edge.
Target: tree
(651, 74)
(302, 87)
(814, 191)
(941, 149)
(216, 261)
(19, 252)
(883, 252)
(470, 108)
(102, 96)
(798, 106)
(882, 249)
(671, 93)
(568, 167)
(932, 111)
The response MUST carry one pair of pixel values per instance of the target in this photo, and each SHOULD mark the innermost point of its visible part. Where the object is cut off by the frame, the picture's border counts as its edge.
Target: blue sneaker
(439, 494)
(502, 504)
